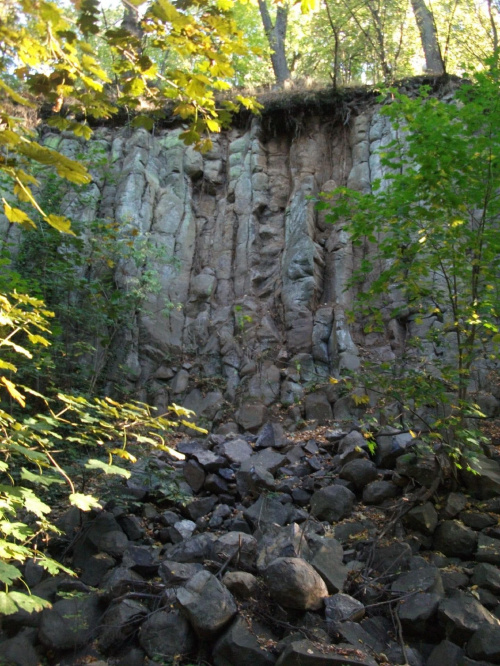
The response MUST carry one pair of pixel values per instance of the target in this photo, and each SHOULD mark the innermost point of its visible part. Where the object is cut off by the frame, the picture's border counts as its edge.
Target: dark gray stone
(267, 510)
(393, 558)
(455, 502)
(120, 580)
(488, 550)
(487, 576)
(422, 469)
(243, 644)
(359, 472)
(196, 549)
(18, 651)
(199, 507)
(341, 608)
(461, 615)
(356, 635)
(417, 611)
(167, 634)
(240, 583)
(327, 559)
(477, 520)
(425, 579)
(445, 653)
(96, 568)
(454, 539)
(132, 526)
(390, 446)
(177, 573)
(485, 644)
(194, 475)
(208, 605)
(271, 435)
(289, 541)
(241, 548)
(236, 450)
(70, 623)
(143, 559)
(423, 518)
(377, 492)
(120, 621)
(332, 503)
(293, 583)
(318, 408)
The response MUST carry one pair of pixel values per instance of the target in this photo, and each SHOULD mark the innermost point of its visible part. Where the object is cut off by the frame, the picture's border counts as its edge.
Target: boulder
(70, 623)
(293, 583)
(167, 634)
(462, 615)
(120, 621)
(332, 503)
(488, 550)
(341, 608)
(208, 605)
(485, 644)
(454, 539)
(271, 435)
(359, 472)
(423, 518)
(244, 644)
(327, 558)
(377, 492)
(267, 510)
(240, 583)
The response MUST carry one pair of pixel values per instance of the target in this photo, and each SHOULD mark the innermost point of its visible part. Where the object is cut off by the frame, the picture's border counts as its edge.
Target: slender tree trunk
(276, 34)
(336, 36)
(428, 36)
(494, 30)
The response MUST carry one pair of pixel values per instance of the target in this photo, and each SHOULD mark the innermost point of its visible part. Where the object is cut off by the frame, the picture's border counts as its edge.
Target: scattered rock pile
(258, 550)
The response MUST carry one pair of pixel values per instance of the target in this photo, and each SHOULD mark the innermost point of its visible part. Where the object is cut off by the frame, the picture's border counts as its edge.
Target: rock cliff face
(256, 280)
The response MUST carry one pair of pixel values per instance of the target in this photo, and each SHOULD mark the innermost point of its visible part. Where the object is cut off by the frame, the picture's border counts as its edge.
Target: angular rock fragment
(461, 615)
(341, 608)
(240, 583)
(70, 623)
(244, 644)
(119, 622)
(332, 503)
(208, 605)
(485, 644)
(167, 634)
(454, 539)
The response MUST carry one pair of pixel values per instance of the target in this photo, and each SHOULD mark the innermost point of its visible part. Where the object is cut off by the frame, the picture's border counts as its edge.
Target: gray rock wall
(255, 280)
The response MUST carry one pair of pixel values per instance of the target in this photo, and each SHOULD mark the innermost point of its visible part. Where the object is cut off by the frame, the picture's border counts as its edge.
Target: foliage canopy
(431, 232)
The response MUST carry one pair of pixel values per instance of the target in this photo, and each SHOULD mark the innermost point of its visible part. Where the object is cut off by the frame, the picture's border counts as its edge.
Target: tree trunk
(428, 36)
(276, 35)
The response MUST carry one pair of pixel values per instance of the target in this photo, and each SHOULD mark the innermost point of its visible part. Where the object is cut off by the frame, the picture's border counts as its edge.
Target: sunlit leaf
(84, 502)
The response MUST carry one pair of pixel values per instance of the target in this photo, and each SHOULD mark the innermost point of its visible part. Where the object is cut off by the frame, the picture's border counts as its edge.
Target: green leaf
(7, 604)
(29, 602)
(108, 469)
(84, 502)
(143, 121)
(43, 479)
(8, 573)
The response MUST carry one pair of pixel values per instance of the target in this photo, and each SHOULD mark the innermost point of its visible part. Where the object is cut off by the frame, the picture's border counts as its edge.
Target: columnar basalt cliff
(255, 279)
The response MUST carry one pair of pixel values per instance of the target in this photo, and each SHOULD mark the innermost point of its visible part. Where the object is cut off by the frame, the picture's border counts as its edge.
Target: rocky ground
(261, 549)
